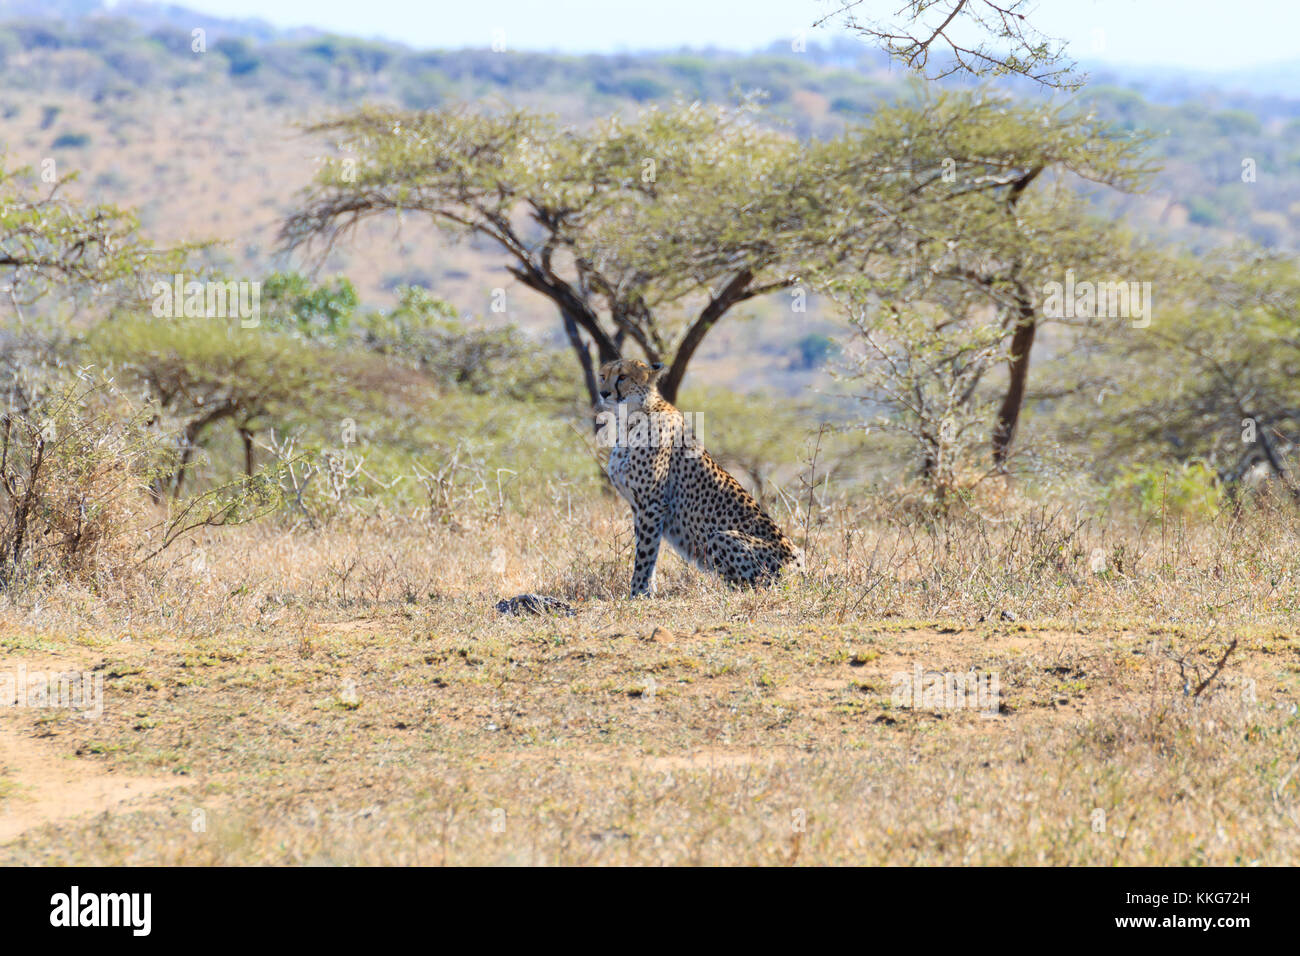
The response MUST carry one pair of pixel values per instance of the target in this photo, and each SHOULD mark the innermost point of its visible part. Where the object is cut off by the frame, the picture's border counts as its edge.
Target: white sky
(1192, 34)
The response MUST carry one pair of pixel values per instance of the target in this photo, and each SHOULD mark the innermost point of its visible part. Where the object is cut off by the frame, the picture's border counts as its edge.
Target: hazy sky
(1180, 33)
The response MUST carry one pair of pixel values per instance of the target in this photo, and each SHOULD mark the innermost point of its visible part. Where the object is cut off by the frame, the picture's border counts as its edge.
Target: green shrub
(1190, 490)
(428, 333)
(291, 301)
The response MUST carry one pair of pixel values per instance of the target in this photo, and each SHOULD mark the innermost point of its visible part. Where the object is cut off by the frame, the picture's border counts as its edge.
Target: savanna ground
(348, 695)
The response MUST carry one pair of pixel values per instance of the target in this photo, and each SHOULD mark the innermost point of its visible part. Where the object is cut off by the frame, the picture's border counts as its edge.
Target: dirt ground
(741, 729)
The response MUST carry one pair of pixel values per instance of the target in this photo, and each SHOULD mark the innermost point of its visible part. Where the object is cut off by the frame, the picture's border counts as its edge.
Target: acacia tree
(648, 232)
(1215, 378)
(581, 213)
(75, 452)
(202, 372)
(944, 345)
(922, 364)
(957, 289)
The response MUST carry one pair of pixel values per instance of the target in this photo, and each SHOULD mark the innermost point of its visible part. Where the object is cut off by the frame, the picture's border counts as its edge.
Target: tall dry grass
(869, 558)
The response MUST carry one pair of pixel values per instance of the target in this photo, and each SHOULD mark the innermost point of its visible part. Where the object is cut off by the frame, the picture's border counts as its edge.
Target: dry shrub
(76, 467)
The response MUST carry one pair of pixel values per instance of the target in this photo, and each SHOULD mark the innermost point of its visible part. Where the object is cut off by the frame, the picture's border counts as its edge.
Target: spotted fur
(677, 491)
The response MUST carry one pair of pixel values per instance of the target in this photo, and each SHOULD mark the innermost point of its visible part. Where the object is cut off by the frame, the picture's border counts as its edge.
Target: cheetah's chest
(620, 471)
(633, 472)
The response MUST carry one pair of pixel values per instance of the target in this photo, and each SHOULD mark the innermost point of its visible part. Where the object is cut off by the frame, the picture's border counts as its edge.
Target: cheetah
(677, 491)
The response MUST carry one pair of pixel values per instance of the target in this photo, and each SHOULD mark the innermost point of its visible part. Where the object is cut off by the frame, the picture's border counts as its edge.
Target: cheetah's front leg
(649, 531)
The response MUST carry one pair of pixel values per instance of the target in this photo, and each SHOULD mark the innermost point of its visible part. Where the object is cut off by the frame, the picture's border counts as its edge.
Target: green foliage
(1189, 490)
(422, 331)
(957, 287)
(1200, 144)
(1236, 123)
(1204, 211)
(239, 51)
(729, 191)
(212, 365)
(606, 195)
(313, 363)
(815, 350)
(670, 219)
(922, 373)
(202, 372)
(46, 242)
(427, 332)
(1215, 377)
(447, 457)
(641, 88)
(291, 301)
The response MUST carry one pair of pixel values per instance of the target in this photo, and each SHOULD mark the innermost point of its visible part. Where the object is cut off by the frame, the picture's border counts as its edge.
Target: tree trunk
(1022, 342)
(190, 438)
(1274, 460)
(24, 508)
(584, 356)
(249, 462)
(179, 478)
(671, 380)
(570, 303)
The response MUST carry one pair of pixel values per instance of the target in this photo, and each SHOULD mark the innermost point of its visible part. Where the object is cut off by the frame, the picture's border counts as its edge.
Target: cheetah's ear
(656, 370)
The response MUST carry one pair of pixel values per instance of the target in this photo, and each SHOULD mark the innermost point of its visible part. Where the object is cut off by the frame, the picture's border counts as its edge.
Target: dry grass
(349, 695)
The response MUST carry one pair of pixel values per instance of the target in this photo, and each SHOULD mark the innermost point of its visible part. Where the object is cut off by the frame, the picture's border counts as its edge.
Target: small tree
(74, 469)
(57, 254)
(1215, 378)
(75, 455)
(579, 213)
(920, 368)
(956, 288)
(201, 372)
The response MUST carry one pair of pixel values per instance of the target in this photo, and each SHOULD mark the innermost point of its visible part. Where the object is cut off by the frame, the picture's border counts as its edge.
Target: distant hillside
(206, 143)
(1205, 134)
(149, 16)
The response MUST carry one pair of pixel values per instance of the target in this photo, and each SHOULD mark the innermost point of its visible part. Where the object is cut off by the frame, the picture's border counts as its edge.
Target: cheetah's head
(628, 381)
